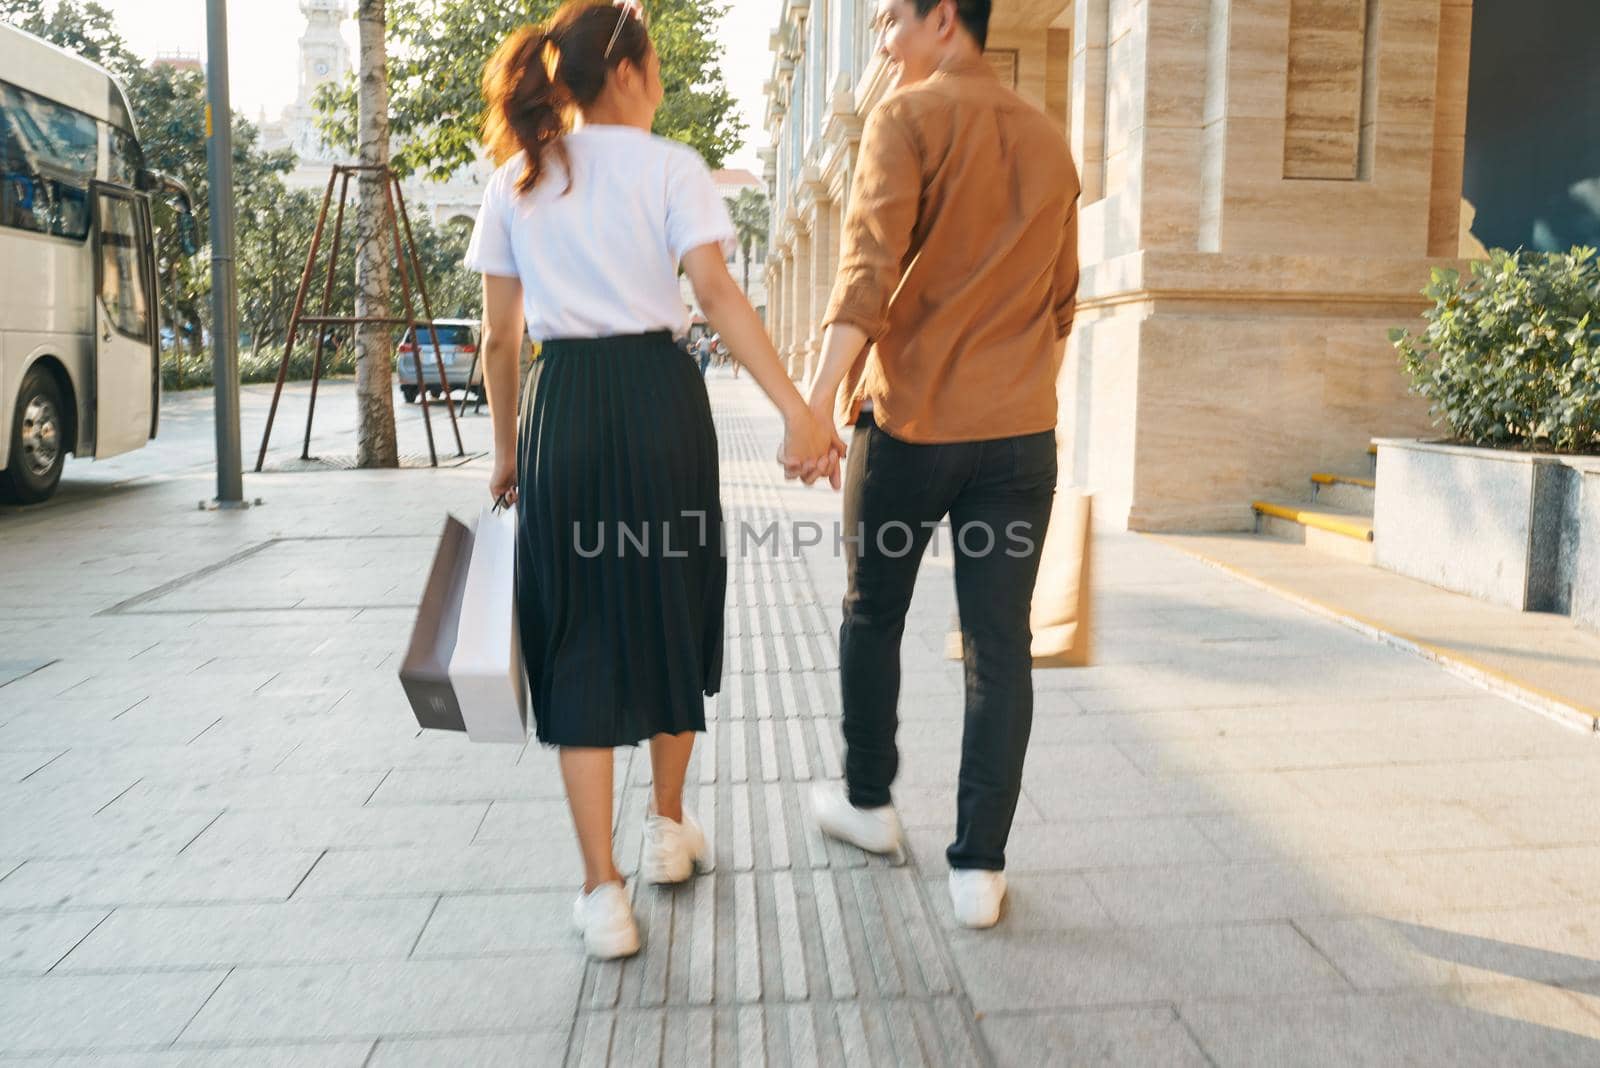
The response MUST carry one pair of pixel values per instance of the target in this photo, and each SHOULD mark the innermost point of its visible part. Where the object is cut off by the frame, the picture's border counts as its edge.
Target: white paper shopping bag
(486, 670)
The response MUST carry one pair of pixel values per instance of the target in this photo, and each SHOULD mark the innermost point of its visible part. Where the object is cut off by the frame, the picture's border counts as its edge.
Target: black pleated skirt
(621, 570)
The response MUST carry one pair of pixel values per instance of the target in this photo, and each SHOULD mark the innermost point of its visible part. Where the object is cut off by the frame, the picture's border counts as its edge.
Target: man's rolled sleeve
(1066, 280)
(878, 226)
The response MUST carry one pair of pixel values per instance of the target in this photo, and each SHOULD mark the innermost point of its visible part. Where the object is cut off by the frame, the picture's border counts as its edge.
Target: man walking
(959, 270)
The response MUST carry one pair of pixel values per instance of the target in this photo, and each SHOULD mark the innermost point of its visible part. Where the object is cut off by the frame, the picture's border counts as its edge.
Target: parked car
(458, 347)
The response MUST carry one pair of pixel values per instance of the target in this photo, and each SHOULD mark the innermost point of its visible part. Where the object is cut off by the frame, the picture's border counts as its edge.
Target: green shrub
(1511, 355)
(182, 370)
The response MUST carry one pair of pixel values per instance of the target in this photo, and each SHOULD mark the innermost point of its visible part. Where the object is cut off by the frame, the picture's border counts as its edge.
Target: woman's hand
(812, 448)
(503, 482)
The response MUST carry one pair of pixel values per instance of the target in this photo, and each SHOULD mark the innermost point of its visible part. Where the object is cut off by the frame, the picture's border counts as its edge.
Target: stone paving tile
(116, 832)
(1373, 747)
(1474, 1028)
(295, 932)
(1007, 970)
(379, 827)
(546, 1047)
(425, 785)
(157, 763)
(309, 1055)
(17, 766)
(1489, 715)
(1538, 822)
(271, 793)
(531, 823)
(54, 729)
(1351, 831)
(1192, 795)
(1495, 878)
(400, 999)
(1479, 783)
(492, 925)
(1133, 1037)
(32, 942)
(1082, 845)
(53, 884)
(1551, 945)
(1216, 893)
(87, 1012)
(409, 872)
(402, 750)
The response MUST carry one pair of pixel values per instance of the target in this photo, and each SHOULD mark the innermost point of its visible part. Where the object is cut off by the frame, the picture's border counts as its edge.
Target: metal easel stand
(411, 277)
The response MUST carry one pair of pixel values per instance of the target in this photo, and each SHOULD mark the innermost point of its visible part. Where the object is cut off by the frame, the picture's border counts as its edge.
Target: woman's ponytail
(539, 79)
(528, 105)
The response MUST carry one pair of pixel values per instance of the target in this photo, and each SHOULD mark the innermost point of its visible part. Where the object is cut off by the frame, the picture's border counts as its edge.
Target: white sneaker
(672, 850)
(606, 919)
(877, 830)
(976, 896)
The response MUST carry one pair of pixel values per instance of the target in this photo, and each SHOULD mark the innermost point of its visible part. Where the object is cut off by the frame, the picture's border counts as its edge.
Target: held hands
(812, 448)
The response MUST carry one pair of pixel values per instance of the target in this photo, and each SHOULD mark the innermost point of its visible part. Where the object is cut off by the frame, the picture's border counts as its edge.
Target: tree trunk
(746, 258)
(375, 445)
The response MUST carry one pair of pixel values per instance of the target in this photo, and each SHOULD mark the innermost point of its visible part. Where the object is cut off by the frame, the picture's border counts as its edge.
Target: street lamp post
(224, 306)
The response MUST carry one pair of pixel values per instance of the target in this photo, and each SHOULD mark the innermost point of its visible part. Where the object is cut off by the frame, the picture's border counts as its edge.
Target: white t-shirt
(602, 259)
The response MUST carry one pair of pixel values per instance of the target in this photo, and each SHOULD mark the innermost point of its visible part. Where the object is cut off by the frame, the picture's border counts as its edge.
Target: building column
(1249, 235)
(775, 309)
(824, 269)
(800, 302)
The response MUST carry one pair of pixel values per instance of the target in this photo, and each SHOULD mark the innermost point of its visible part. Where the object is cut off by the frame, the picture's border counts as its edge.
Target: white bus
(79, 325)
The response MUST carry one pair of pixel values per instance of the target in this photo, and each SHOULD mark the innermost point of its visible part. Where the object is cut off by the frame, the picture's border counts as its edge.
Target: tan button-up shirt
(959, 259)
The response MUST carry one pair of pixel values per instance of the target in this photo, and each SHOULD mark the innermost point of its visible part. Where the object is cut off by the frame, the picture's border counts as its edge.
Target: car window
(448, 335)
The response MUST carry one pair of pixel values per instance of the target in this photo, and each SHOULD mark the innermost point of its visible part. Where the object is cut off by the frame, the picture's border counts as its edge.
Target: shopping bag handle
(501, 504)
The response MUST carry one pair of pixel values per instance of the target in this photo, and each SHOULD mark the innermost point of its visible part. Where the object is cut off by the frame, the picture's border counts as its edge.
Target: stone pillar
(1265, 186)
(778, 298)
(824, 268)
(800, 302)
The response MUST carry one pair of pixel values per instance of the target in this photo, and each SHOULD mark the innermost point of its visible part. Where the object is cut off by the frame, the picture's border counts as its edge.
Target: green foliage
(89, 29)
(437, 51)
(1510, 356)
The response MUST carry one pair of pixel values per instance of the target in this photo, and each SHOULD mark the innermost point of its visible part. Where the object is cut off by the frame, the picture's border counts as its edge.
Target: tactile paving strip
(794, 949)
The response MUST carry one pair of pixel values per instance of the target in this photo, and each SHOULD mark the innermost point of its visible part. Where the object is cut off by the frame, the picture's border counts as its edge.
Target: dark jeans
(998, 496)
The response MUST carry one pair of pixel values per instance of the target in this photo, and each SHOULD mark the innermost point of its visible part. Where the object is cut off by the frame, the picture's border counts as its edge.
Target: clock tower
(324, 59)
(324, 56)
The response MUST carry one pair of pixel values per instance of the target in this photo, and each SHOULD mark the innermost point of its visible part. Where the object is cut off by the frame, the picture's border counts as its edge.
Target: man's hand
(812, 449)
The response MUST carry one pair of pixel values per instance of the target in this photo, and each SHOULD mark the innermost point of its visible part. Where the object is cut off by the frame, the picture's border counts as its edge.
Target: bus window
(121, 281)
(48, 155)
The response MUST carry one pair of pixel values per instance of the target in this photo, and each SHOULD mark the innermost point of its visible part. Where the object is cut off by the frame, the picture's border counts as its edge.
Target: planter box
(1586, 579)
(1516, 529)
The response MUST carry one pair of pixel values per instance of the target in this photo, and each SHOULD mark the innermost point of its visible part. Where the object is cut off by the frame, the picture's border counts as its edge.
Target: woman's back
(598, 255)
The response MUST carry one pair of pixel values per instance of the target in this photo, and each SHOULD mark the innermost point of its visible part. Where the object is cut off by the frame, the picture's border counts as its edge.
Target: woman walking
(620, 568)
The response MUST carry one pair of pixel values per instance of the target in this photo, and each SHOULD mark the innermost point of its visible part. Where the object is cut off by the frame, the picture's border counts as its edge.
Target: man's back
(965, 213)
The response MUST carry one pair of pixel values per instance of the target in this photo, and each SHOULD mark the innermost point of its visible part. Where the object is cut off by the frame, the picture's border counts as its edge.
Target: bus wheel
(38, 441)
(409, 393)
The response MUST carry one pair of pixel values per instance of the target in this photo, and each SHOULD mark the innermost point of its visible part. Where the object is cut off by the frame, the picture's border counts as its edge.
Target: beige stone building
(1265, 186)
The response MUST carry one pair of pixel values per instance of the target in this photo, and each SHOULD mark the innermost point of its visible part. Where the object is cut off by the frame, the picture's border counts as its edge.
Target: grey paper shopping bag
(425, 672)
(486, 673)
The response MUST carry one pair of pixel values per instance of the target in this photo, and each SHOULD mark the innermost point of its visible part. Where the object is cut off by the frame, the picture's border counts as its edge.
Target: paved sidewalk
(1248, 835)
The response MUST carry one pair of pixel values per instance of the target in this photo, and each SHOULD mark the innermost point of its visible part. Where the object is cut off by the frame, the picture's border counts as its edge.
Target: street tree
(374, 342)
(438, 51)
